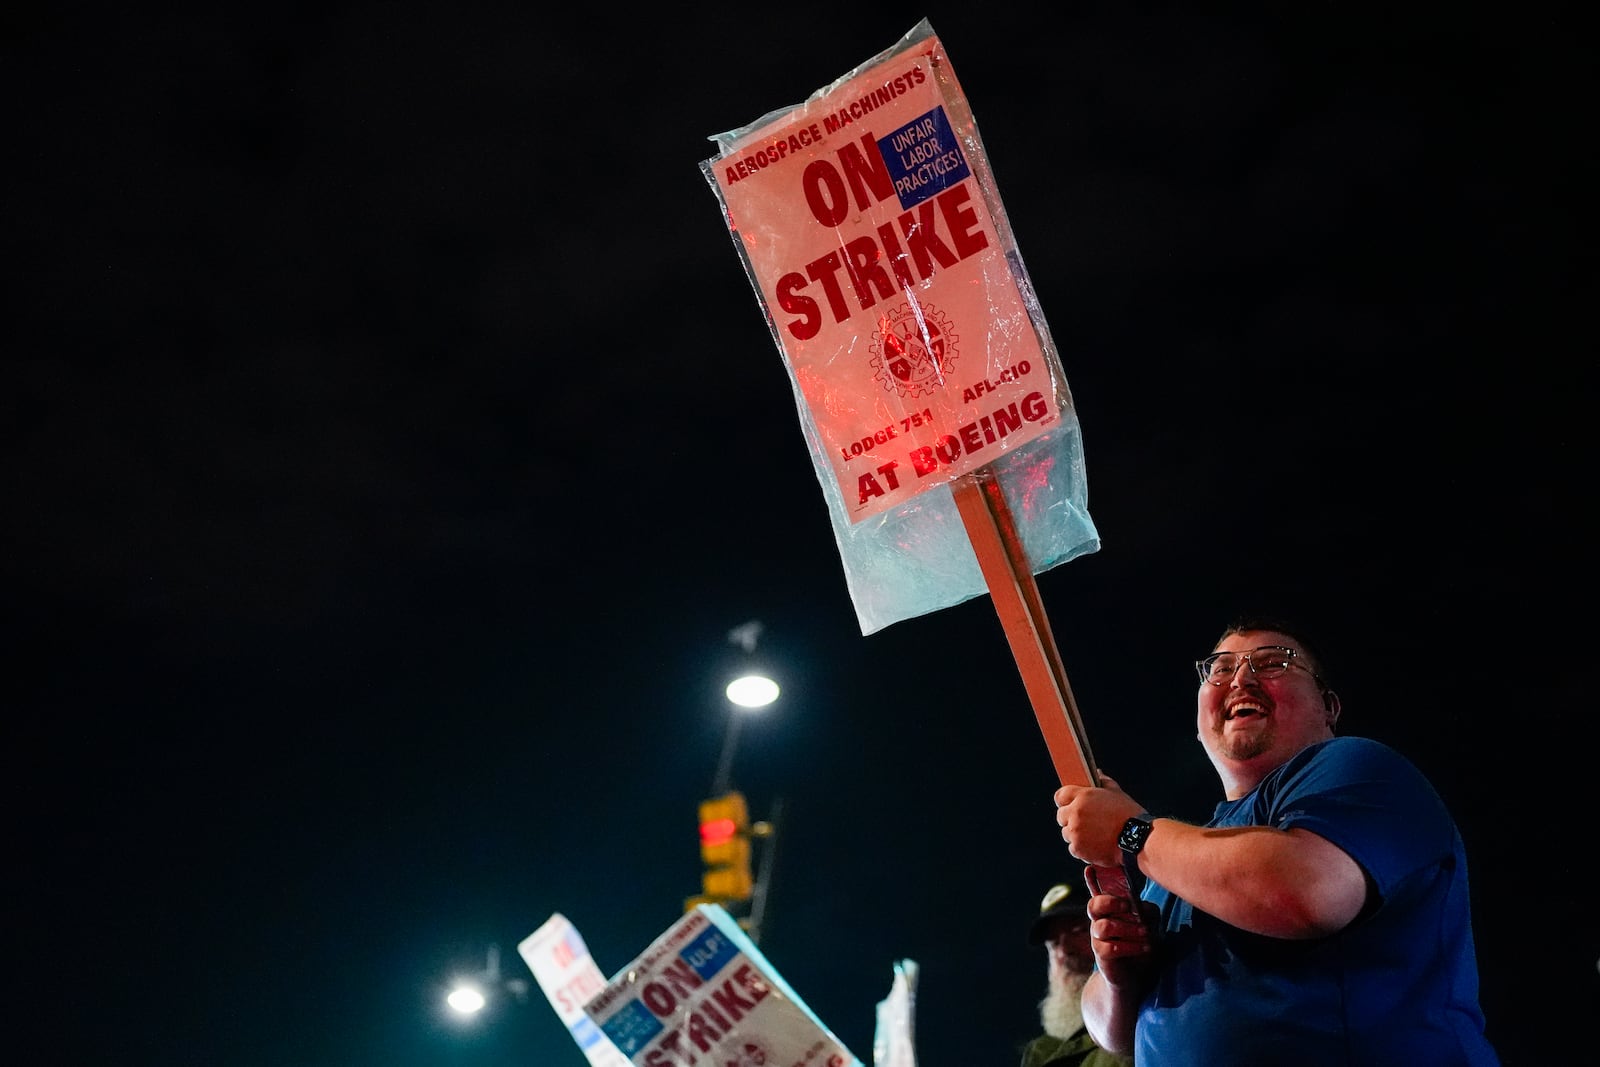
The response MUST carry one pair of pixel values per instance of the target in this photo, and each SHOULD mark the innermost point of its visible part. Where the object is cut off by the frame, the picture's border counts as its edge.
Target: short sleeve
(1368, 800)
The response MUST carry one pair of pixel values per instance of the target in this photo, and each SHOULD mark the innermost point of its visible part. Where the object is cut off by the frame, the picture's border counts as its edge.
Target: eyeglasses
(1268, 661)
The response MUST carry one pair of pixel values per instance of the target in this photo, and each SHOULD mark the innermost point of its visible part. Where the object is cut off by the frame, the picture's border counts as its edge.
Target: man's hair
(1308, 645)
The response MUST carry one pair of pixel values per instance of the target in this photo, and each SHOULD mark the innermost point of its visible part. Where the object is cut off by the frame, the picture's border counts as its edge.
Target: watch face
(1134, 831)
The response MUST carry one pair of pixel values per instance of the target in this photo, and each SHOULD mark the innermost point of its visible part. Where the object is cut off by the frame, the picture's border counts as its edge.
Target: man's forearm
(1110, 1013)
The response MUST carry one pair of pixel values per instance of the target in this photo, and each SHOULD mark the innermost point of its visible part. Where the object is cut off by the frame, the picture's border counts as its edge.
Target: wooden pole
(1005, 568)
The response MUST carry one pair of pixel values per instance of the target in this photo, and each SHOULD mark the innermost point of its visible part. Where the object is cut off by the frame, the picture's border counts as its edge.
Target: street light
(753, 691)
(470, 995)
(726, 840)
(466, 999)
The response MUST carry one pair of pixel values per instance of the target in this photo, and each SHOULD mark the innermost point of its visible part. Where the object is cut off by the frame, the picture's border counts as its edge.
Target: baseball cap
(1060, 901)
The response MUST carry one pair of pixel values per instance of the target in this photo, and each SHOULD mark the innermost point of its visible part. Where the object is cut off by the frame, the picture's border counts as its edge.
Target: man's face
(1071, 964)
(1256, 722)
(1070, 952)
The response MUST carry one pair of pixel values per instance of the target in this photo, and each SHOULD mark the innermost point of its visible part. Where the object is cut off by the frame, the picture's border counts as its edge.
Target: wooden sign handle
(1005, 568)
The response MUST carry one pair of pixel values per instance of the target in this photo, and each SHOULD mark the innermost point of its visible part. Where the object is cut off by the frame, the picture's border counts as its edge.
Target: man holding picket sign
(1323, 917)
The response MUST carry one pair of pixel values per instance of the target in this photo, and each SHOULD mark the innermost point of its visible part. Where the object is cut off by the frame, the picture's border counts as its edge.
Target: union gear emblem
(913, 350)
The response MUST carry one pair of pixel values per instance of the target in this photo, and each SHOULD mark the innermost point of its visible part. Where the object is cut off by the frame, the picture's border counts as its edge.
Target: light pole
(727, 834)
(747, 695)
(752, 691)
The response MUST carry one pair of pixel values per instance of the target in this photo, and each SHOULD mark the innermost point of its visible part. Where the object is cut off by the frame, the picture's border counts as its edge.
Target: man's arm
(1278, 883)
(1124, 968)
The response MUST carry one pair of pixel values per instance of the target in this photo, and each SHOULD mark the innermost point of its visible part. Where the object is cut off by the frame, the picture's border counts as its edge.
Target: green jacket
(1079, 1050)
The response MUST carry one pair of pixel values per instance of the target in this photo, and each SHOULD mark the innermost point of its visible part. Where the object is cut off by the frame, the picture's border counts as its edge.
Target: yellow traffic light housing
(725, 850)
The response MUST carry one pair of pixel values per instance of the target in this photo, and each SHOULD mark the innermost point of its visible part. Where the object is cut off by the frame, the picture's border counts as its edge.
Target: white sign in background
(561, 964)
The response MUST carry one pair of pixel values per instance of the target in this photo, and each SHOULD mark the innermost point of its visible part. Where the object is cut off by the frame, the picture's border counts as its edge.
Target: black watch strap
(1131, 841)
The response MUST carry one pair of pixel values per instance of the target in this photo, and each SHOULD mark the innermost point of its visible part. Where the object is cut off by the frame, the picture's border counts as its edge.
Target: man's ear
(1332, 707)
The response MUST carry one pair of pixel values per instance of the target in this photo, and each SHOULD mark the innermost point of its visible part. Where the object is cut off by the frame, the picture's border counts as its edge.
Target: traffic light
(725, 850)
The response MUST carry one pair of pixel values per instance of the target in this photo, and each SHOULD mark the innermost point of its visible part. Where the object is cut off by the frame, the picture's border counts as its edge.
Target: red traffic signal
(725, 850)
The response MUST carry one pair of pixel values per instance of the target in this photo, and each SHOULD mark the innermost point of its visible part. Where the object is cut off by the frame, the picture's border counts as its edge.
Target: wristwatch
(1130, 841)
(1133, 835)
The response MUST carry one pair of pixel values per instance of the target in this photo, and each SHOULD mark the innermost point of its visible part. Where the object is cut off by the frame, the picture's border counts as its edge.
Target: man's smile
(1246, 708)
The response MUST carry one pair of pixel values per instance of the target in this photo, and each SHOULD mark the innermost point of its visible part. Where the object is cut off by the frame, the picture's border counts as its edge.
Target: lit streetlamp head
(466, 999)
(753, 691)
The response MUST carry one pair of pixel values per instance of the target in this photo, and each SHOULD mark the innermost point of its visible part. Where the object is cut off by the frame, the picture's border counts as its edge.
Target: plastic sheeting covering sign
(868, 222)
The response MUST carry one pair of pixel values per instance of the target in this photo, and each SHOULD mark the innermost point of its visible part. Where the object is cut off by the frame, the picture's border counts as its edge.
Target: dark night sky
(392, 438)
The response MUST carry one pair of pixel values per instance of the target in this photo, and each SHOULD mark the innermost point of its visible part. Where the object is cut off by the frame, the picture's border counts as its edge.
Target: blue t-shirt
(1399, 985)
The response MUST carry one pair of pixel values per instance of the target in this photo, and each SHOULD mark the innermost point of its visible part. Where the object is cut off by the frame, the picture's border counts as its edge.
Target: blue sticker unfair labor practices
(924, 158)
(710, 952)
(632, 1027)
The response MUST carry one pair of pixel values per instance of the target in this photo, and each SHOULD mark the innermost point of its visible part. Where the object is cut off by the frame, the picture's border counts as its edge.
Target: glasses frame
(1202, 665)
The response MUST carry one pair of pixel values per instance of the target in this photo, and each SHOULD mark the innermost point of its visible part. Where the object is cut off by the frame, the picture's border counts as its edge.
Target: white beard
(1061, 1011)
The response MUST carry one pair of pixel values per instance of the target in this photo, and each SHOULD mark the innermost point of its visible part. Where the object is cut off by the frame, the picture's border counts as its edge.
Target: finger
(1108, 906)
(1114, 951)
(1128, 929)
(1119, 930)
